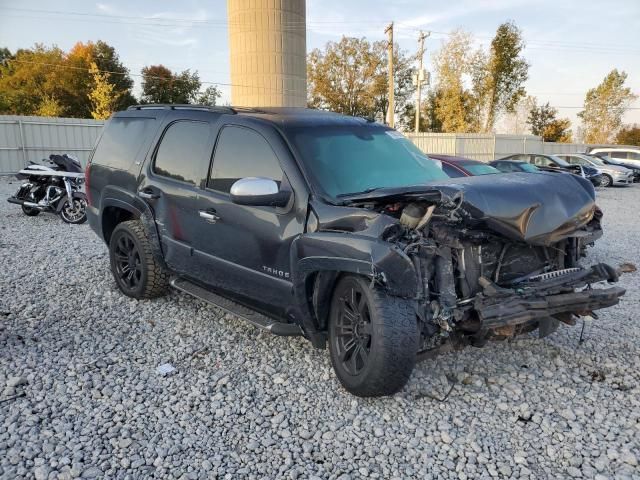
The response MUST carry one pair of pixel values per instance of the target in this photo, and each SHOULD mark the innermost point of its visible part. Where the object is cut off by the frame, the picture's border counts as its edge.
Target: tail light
(87, 185)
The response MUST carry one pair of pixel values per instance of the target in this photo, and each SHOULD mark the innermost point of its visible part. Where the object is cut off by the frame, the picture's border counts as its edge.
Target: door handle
(148, 194)
(209, 215)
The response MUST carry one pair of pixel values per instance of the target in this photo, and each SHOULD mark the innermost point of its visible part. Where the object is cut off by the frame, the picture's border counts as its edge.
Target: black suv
(338, 229)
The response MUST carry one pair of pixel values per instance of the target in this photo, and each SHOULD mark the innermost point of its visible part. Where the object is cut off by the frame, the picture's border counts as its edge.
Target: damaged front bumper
(557, 295)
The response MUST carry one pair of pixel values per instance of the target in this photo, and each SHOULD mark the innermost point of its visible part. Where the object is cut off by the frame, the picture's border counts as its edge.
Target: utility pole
(391, 110)
(420, 76)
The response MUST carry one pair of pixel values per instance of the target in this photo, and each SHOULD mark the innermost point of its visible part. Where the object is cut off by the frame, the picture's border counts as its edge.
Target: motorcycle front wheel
(74, 211)
(30, 211)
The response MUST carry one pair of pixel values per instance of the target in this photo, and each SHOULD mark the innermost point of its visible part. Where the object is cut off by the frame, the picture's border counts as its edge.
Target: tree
(629, 135)
(545, 124)
(350, 77)
(161, 85)
(102, 95)
(604, 107)
(209, 96)
(516, 122)
(453, 64)
(46, 80)
(506, 73)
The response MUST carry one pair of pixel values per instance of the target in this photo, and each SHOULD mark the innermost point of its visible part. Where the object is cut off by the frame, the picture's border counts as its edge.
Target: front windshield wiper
(363, 192)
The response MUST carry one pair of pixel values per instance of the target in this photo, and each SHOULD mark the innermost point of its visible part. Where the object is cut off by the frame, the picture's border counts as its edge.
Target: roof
(283, 116)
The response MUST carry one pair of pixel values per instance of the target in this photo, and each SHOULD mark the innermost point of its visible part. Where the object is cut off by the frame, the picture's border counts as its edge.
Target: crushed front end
(496, 258)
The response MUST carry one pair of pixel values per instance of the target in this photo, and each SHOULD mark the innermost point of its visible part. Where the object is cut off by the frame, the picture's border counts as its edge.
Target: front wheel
(74, 211)
(373, 338)
(606, 181)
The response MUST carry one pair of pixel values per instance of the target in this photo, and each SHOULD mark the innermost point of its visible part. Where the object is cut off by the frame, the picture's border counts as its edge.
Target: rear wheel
(137, 272)
(30, 211)
(373, 338)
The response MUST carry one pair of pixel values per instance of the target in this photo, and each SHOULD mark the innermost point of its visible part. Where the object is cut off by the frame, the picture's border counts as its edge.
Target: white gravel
(245, 404)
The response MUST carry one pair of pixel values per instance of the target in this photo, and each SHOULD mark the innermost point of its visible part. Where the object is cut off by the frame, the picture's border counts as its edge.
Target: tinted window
(121, 141)
(452, 171)
(633, 156)
(527, 167)
(184, 152)
(242, 152)
(480, 169)
(350, 158)
(618, 154)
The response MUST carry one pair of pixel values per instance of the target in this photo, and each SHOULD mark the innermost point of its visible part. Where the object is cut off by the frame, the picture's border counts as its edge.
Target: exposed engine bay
(494, 263)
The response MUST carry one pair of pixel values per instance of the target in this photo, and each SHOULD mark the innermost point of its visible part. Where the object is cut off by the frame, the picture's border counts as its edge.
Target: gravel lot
(245, 404)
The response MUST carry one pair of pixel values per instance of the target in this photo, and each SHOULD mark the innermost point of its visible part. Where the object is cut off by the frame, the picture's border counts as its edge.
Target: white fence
(24, 138)
(488, 147)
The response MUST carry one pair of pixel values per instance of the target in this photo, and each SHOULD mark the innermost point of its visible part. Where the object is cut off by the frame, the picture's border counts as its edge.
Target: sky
(571, 44)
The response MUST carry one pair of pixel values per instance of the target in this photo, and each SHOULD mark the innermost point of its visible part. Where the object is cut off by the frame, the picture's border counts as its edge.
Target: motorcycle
(53, 187)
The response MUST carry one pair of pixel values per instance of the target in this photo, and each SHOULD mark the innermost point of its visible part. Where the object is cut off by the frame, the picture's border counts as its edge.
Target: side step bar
(251, 316)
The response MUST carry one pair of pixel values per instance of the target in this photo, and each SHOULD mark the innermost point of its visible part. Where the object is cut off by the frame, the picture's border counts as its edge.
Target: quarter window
(184, 152)
(242, 152)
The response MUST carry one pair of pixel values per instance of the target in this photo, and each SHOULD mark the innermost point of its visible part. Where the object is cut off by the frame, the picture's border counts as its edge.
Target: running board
(251, 316)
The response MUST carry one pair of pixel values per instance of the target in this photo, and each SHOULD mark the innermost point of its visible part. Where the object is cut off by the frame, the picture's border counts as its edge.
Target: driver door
(242, 249)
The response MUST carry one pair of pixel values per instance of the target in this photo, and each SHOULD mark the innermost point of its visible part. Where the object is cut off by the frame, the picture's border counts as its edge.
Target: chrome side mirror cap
(258, 192)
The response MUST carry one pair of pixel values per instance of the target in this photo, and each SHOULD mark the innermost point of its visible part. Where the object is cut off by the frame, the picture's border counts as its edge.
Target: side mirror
(258, 192)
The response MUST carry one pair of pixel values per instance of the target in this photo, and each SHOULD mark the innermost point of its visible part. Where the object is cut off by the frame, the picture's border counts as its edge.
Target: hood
(540, 209)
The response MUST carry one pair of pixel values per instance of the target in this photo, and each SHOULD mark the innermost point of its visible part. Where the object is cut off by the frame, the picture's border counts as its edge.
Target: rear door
(244, 250)
(174, 176)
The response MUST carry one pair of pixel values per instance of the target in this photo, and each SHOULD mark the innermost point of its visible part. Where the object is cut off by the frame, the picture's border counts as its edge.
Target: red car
(463, 167)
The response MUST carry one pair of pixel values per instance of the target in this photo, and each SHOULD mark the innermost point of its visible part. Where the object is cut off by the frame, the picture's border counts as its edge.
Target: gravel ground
(245, 404)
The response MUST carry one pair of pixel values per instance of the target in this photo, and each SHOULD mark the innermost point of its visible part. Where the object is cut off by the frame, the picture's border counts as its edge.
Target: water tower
(267, 43)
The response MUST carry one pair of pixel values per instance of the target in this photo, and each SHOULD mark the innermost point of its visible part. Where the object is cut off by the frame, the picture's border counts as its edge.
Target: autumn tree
(350, 77)
(545, 123)
(629, 135)
(161, 85)
(102, 96)
(604, 107)
(506, 73)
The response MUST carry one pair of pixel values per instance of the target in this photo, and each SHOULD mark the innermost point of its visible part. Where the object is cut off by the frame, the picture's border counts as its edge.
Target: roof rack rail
(186, 106)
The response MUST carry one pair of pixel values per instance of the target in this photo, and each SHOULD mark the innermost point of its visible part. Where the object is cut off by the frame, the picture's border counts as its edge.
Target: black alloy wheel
(128, 265)
(353, 330)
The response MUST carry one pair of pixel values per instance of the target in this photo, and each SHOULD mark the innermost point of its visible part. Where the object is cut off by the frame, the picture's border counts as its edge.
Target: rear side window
(242, 152)
(451, 171)
(121, 141)
(184, 152)
(621, 155)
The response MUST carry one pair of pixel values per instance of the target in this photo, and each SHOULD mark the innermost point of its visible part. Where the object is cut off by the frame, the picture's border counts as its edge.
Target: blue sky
(571, 45)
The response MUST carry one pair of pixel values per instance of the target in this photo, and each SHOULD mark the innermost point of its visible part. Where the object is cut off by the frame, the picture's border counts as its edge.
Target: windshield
(596, 160)
(559, 161)
(479, 169)
(527, 167)
(346, 159)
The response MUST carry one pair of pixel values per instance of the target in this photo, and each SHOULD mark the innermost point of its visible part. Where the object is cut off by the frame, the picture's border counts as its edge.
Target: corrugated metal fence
(24, 138)
(485, 147)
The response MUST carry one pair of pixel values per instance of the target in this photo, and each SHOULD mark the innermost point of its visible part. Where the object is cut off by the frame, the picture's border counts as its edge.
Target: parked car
(338, 229)
(611, 174)
(622, 154)
(610, 161)
(510, 166)
(551, 163)
(456, 167)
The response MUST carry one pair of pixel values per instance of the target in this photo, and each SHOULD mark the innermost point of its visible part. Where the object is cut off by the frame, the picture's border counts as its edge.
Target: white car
(622, 154)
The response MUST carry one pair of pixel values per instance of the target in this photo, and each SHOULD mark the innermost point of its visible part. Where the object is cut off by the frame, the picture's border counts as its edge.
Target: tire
(385, 333)
(76, 212)
(30, 212)
(606, 181)
(130, 247)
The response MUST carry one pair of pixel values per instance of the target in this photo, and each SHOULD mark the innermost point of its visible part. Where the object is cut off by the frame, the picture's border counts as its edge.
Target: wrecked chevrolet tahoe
(340, 230)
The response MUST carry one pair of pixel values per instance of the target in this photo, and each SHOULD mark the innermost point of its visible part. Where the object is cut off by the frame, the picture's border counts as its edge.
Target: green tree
(161, 85)
(629, 135)
(604, 107)
(209, 96)
(506, 73)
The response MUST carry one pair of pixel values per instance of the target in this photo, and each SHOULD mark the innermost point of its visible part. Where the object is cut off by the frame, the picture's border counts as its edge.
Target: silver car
(611, 174)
